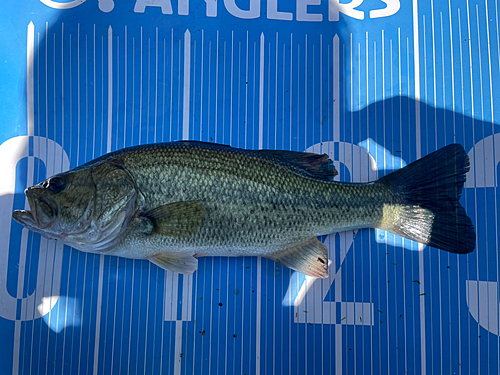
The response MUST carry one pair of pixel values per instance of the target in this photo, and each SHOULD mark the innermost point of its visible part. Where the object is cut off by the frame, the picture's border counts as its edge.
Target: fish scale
(174, 202)
(287, 207)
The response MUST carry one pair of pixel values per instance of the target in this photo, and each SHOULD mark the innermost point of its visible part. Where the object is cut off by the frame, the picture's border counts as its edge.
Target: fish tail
(425, 201)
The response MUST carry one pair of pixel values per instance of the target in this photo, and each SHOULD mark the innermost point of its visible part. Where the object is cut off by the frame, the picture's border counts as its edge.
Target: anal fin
(184, 263)
(309, 258)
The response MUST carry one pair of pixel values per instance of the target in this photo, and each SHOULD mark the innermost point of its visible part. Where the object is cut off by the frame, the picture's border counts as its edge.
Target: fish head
(60, 205)
(84, 208)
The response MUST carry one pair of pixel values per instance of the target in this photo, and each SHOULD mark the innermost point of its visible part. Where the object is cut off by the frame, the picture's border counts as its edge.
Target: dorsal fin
(315, 165)
(318, 166)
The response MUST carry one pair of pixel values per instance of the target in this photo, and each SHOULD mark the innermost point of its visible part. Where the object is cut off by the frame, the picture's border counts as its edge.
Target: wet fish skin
(173, 202)
(254, 204)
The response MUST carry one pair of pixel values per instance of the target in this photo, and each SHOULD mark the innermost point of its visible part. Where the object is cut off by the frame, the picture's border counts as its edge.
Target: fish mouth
(25, 218)
(41, 214)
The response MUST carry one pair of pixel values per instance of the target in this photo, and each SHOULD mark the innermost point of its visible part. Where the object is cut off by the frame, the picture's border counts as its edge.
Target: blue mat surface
(375, 84)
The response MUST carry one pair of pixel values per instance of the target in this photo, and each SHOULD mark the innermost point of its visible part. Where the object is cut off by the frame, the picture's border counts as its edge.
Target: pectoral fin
(184, 263)
(309, 258)
(179, 219)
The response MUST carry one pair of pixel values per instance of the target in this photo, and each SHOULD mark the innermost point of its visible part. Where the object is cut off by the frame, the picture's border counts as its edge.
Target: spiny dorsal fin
(318, 166)
(309, 258)
(179, 219)
(184, 263)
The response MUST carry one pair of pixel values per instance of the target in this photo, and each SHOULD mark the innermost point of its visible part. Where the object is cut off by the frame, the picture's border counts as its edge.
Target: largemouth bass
(173, 202)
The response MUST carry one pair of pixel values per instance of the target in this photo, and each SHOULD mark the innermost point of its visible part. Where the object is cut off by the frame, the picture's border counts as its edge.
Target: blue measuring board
(375, 84)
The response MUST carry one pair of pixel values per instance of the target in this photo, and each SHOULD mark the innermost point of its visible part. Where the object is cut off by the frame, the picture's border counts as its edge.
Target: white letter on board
(302, 14)
(252, 12)
(273, 14)
(211, 8)
(165, 5)
(183, 7)
(334, 8)
(391, 8)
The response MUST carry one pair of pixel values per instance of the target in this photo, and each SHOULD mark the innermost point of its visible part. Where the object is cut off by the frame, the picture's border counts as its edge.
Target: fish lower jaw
(26, 218)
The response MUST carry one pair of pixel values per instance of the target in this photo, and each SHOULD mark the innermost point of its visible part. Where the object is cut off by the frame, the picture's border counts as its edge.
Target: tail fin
(425, 201)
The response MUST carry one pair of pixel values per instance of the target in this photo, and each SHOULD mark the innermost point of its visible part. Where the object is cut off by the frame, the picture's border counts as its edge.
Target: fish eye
(56, 184)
